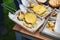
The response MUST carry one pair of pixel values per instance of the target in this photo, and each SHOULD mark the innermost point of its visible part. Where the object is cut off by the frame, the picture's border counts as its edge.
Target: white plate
(14, 18)
(57, 19)
(56, 32)
(48, 8)
(50, 33)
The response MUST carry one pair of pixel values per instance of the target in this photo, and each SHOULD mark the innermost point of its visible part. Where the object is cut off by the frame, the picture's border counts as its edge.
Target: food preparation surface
(35, 35)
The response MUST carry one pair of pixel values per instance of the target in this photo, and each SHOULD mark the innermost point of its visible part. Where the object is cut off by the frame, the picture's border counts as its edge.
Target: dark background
(5, 22)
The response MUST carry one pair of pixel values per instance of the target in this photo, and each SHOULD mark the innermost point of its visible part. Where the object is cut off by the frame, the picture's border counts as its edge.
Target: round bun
(54, 3)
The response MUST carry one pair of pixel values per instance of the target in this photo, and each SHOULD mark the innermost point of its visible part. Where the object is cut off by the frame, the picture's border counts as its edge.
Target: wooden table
(35, 35)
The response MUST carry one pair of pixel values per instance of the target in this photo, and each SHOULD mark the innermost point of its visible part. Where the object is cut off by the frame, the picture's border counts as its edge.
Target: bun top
(54, 3)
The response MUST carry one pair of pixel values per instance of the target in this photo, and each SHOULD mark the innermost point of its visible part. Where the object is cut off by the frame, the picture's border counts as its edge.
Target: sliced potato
(51, 25)
(21, 16)
(28, 25)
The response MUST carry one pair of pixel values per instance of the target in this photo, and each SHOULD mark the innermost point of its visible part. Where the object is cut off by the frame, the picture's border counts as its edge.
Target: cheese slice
(30, 18)
(39, 9)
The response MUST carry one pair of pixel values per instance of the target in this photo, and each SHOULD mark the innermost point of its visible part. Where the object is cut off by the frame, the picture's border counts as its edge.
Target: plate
(50, 33)
(14, 16)
(56, 31)
(49, 10)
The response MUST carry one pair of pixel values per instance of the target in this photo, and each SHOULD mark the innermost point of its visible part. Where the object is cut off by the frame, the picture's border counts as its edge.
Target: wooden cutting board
(35, 35)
